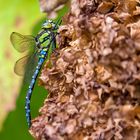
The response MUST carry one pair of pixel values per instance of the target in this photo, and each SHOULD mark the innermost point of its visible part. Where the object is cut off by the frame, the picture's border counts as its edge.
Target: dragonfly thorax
(43, 38)
(47, 33)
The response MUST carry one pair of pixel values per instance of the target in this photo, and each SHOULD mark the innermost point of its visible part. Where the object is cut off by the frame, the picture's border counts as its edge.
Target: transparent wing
(22, 42)
(20, 65)
(25, 66)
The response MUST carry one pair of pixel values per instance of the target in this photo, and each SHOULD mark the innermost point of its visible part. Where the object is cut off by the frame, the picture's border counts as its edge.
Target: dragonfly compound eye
(47, 25)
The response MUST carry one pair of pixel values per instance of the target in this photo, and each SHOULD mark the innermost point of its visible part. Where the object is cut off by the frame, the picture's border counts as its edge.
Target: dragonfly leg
(54, 44)
(59, 21)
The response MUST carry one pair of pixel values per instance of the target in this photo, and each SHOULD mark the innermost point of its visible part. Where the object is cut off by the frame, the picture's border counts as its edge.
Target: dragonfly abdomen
(42, 56)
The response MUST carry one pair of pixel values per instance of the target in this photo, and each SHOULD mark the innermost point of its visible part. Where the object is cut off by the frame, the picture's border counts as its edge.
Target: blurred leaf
(20, 16)
(15, 126)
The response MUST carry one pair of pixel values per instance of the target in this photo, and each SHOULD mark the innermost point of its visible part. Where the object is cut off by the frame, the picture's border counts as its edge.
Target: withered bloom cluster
(51, 6)
(94, 78)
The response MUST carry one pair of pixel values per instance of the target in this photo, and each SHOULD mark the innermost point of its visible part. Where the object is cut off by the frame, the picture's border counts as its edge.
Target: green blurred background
(21, 16)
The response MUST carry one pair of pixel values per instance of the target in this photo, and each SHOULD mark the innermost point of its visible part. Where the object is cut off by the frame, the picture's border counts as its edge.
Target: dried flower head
(94, 80)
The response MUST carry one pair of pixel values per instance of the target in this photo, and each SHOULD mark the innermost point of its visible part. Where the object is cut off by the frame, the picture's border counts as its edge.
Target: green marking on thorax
(41, 38)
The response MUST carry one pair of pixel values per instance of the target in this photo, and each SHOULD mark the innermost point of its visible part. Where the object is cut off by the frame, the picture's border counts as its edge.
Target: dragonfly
(39, 49)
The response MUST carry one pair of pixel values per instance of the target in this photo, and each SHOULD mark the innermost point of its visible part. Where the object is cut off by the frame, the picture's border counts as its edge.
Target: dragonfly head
(49, 24)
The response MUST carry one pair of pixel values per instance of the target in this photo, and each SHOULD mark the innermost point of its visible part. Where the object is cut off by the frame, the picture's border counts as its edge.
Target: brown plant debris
(94, 81)
(51, 6)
